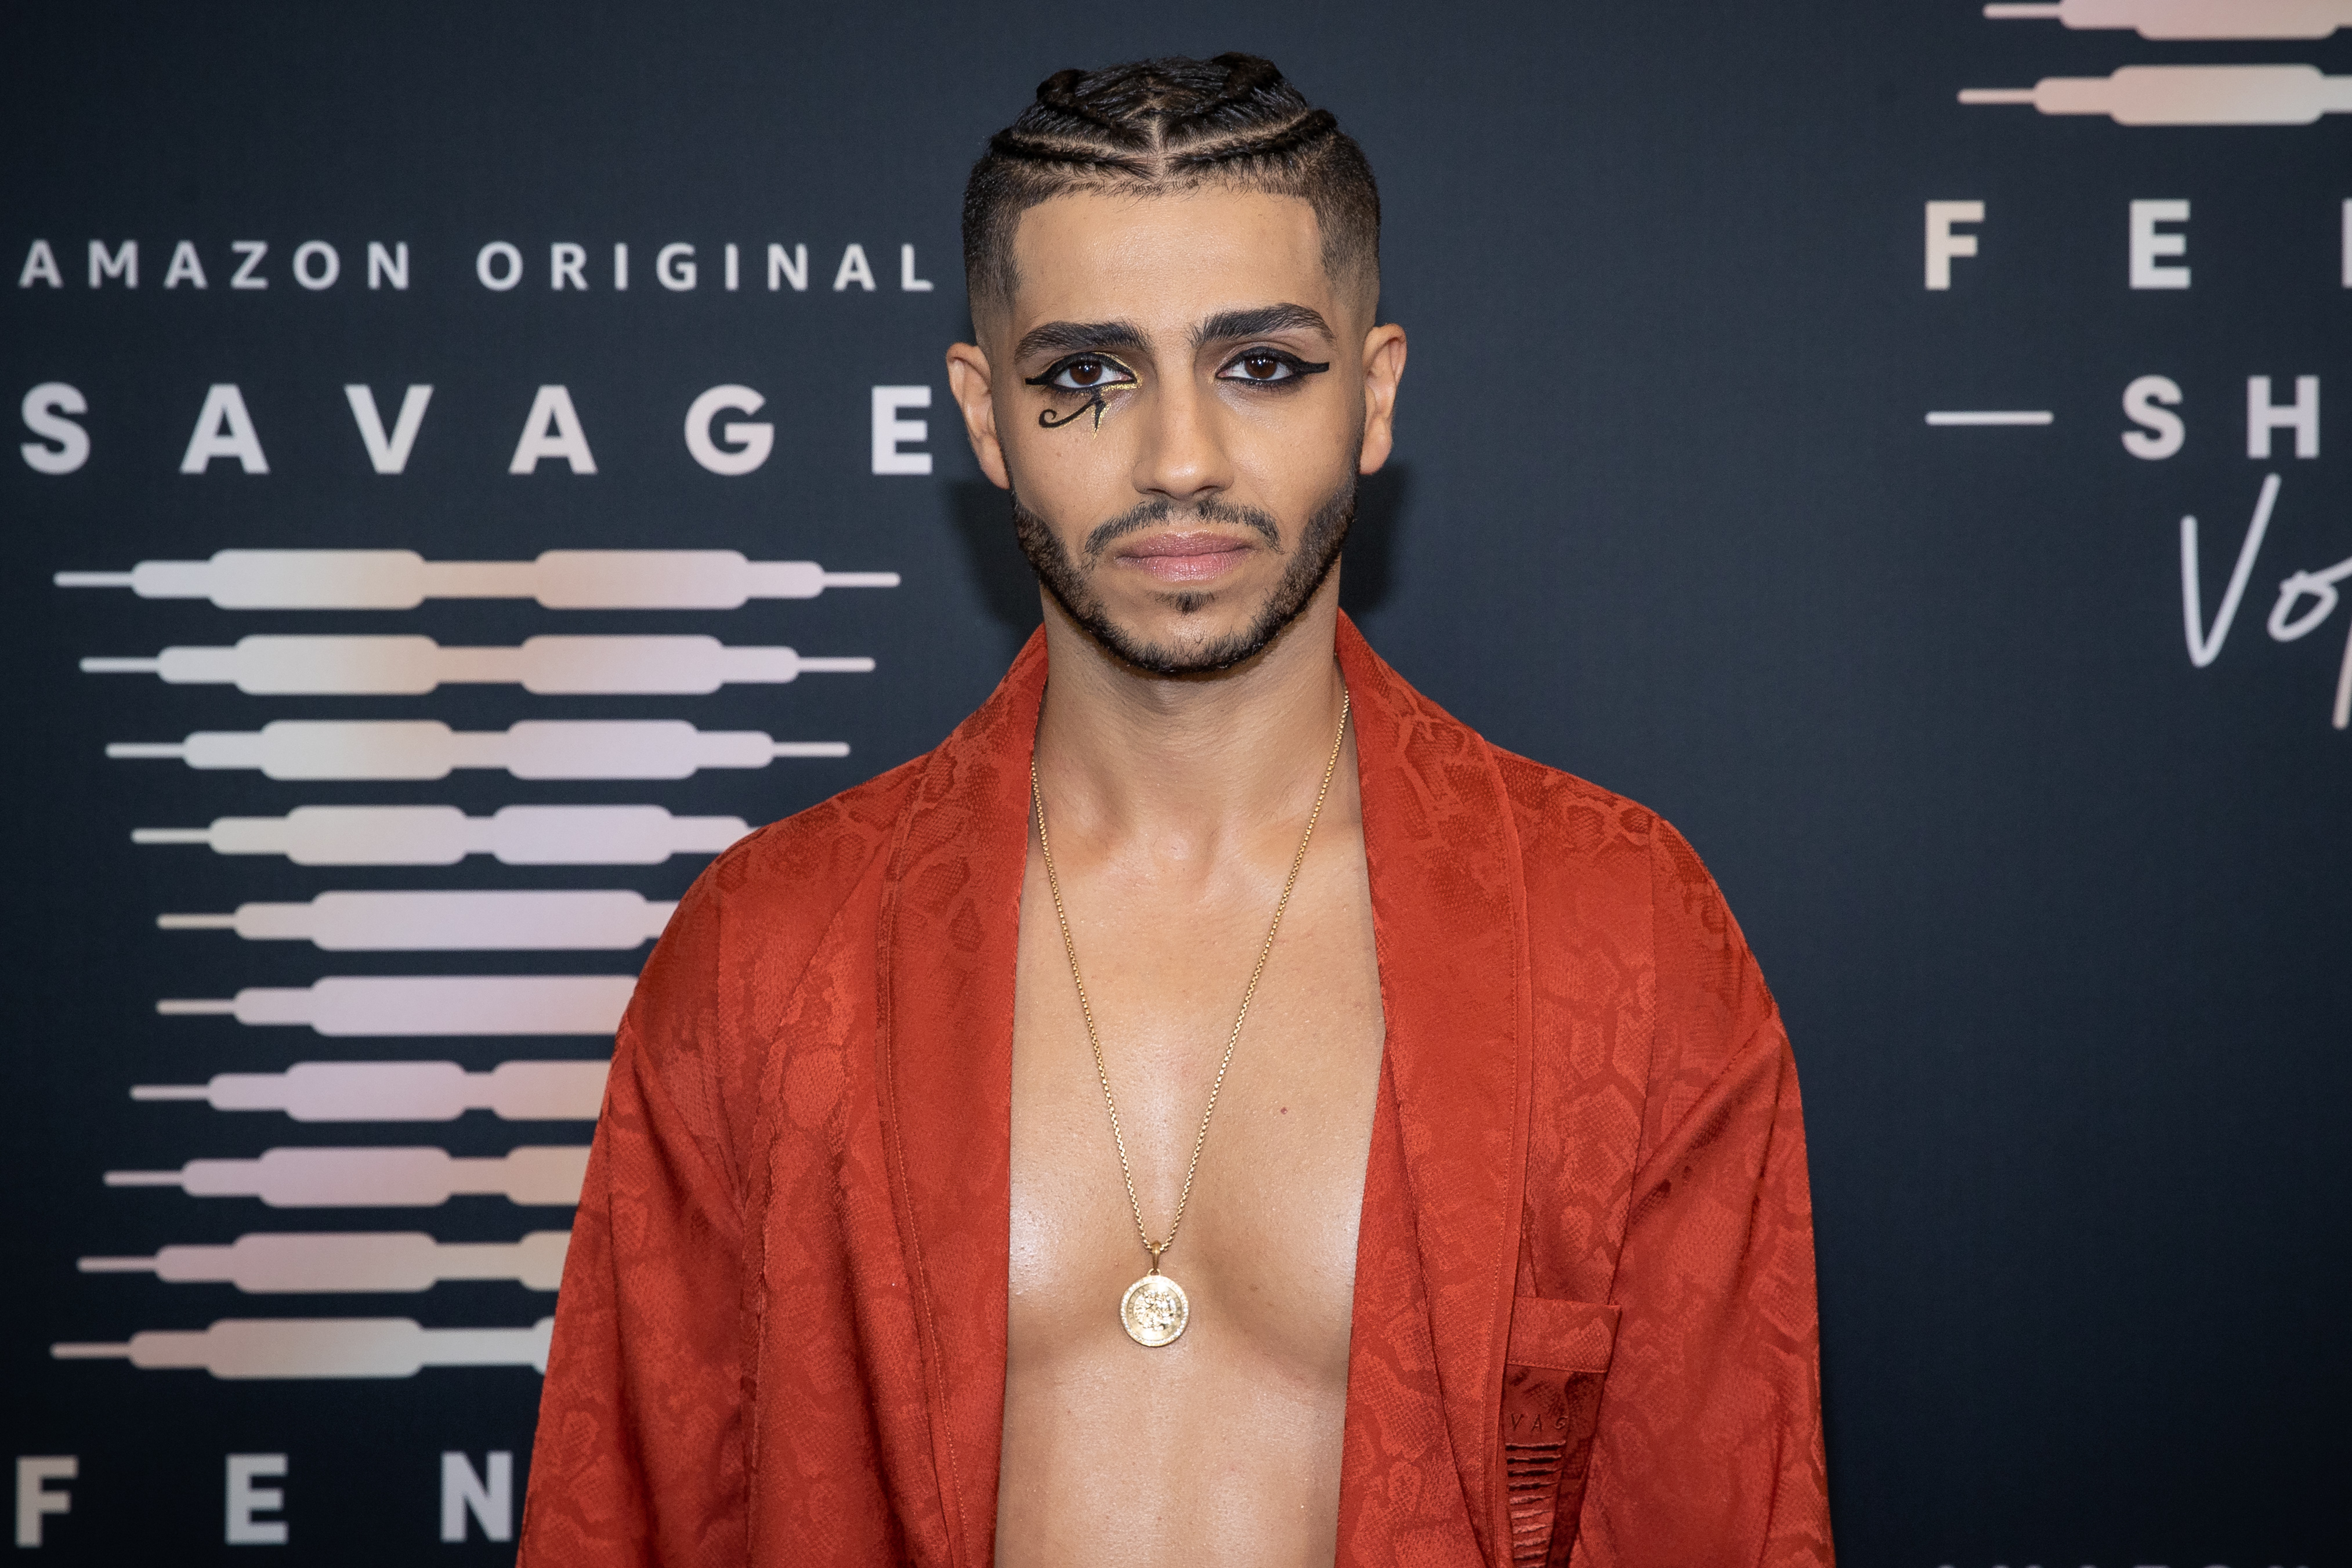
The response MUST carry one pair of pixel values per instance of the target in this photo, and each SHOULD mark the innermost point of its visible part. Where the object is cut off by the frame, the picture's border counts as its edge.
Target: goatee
(1310, 562)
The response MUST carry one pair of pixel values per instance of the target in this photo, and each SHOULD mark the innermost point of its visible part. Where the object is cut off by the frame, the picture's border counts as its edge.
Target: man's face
(1179, 399)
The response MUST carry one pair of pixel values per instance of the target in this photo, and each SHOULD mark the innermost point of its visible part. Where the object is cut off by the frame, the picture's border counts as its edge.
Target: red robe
(1584, 1324)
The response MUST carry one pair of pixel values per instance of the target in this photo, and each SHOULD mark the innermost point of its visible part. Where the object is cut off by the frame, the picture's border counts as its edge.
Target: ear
(969, 383)
(1383, 367)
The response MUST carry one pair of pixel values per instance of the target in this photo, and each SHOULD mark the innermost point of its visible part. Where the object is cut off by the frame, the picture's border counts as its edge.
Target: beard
(1310, 562)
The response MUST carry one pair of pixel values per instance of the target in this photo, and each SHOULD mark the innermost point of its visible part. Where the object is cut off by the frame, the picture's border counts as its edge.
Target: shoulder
(1610, 854)
(756, 915)
(1613, 889)
(798, 870)
(713, 998)
(1574, 833)
(1557, 813)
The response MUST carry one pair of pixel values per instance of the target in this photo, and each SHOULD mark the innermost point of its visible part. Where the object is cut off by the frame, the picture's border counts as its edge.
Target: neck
(1189, 765)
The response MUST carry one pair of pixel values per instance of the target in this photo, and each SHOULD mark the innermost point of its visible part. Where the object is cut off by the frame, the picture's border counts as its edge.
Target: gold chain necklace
(1154, 1309)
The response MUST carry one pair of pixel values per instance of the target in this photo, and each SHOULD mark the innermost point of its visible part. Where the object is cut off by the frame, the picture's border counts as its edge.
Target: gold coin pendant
(1154, 1310)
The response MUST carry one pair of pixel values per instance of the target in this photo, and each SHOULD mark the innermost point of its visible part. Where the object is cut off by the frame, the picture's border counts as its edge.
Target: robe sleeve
(1709, 1446)
(639, 1455)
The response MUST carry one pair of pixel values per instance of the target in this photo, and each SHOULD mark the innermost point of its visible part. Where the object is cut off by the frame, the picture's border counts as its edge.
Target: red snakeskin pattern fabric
(1584, 1324)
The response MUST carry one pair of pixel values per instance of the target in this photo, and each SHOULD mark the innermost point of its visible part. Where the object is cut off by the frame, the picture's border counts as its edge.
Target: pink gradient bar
(240, 1348)
(403, 580)
(354, 1005)
(378, 1178)
(429, 749)
(402, 1091)
(2189, 18)
(414, 666)
(2186, 95)
(443, 835)
(490, 921)
(298, 1262)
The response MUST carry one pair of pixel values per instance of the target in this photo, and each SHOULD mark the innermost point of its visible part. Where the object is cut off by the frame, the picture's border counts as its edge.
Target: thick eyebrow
(1259, 321)
(1076, 337)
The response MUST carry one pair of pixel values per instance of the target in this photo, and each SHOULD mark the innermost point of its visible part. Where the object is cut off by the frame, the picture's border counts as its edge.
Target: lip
(1185, 557)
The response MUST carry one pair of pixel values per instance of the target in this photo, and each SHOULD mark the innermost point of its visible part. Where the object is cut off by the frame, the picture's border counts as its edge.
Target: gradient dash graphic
(354, 647)
(2186, 95)
(2189, 18)
(444, 835)
(414, 666)
(379, 1177)
(402, 1091)
(502, 920)
(299, 1263)
(359, 1006)
(427, 748)
(403, 580)
(323, 1347)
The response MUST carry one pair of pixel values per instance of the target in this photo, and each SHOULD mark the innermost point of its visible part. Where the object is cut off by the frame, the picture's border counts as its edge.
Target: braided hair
(1163, 126)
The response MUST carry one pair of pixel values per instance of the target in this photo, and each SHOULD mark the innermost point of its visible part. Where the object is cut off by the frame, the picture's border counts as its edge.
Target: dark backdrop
(2061, 922)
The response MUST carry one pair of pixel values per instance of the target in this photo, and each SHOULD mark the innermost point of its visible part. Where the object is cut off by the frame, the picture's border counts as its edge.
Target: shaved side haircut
(1160, 128)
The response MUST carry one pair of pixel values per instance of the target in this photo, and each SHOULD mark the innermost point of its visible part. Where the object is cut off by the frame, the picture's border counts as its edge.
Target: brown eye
(1085, 372)
(1265, 368)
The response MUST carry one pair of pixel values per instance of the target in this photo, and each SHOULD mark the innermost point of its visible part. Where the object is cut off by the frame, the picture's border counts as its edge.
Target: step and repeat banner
(472, 466)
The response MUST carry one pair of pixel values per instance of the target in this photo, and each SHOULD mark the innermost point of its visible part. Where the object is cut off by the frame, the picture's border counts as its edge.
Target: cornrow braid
(1246, 79)
(1308, 128)
(1059, 93)
(1162, 127)
(1034, 149)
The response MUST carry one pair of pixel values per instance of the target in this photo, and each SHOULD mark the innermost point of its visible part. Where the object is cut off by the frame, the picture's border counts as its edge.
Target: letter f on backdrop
(1943, 244)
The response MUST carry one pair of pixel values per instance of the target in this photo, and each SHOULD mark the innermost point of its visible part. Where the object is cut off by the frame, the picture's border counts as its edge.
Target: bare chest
(1268, 1234)
(1249, 1401)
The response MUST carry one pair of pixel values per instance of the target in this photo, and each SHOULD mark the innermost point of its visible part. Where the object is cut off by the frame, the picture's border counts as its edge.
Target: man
(1215, 1109)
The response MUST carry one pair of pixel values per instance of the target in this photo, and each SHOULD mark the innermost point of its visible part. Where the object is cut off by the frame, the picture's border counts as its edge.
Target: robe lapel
(949, 947)
(1445, 1183)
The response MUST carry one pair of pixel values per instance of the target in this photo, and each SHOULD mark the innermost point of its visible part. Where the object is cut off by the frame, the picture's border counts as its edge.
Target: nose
(1182, 455)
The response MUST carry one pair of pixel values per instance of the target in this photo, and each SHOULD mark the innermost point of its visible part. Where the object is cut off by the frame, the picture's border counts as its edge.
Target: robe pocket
(1552, 1374)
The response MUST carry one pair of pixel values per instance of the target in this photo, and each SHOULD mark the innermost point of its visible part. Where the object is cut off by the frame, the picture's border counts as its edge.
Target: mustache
(1159, 510)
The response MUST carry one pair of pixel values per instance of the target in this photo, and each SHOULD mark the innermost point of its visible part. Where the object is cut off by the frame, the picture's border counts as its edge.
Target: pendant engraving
(1154, 1310)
